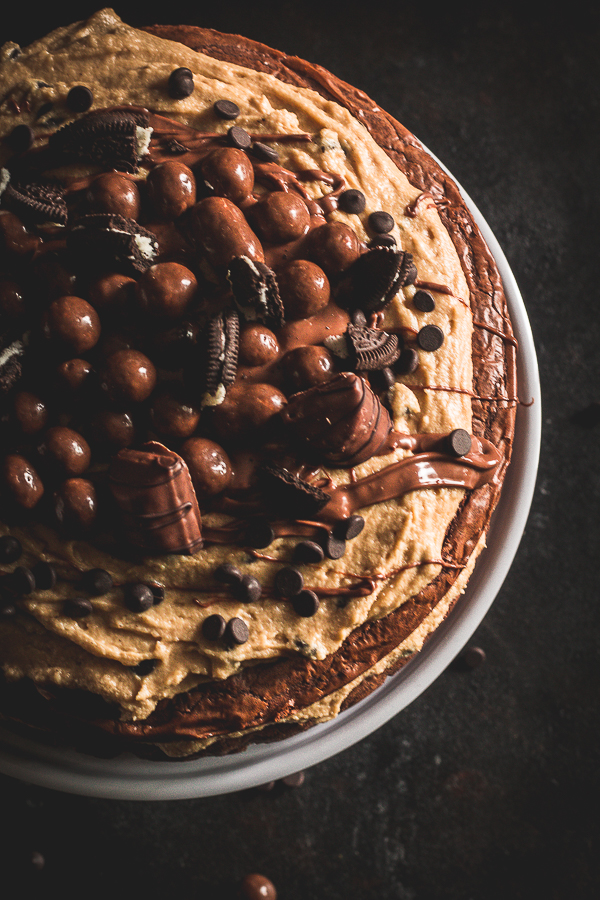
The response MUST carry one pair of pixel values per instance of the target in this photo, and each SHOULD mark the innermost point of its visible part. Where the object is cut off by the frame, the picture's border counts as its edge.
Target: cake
(258, 391)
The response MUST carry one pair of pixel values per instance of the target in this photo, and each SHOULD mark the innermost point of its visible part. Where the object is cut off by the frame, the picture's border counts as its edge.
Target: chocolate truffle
(21, 481)
(209, 466)
(334, 246)
(30, 411)
(65, 451)
(12, 302)
(246, 410)
(171, 189)
(113, 192)
(258, 345)
(75, 504)
(303, 288)
(128, 376)
(221, 233)
(172, 414)
(72, 324)
(228, 173)
(15, 240)
(280, 216)
(304, 367)
(166, 290)
(73, 377)
(111, 429)
(112, 294)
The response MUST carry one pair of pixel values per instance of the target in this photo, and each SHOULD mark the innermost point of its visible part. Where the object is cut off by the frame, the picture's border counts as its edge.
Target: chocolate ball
(12, 303)
(304, 289)
(75, 504)
(15, 240)
(30, 411)
(229, 173)
(172, 415)
(65, 451)
(257, 887)
(52, 277)
(72, 324)
(280, 216)
(221, 233)
(304, 367)
(166, 290)
(246, 410)
(113, 193)
(128, 376)
(113, 294)
(21, 481)
(334, 246)
(111, 429)
(74, 377)
(209, 465)
(171, 189)
(258, 345)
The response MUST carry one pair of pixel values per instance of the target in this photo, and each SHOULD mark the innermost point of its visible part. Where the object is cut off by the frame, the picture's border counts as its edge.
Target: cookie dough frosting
(264, 397)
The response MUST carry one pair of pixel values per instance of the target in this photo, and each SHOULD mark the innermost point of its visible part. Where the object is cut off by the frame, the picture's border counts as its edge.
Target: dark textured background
(486, 787)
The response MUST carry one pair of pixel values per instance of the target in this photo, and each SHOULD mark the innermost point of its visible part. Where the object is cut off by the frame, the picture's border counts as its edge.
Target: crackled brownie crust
(256, 703)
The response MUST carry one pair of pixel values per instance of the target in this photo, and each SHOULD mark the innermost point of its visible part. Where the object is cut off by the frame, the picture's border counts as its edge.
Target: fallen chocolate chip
(236, 632)
(213, 627)
(77, 607)
(430, 338)
(80, 98)
(181, 83)
(239, 138)
(228, 574)
(96, 582)
(10, 549)
(288, 581)
(308, 552)
(263, 152)
(423, 301)
(226, 109)
(22, 581)
(333, 547)
(458, 442)
(45, 576)
(381, 222)
(473, 657)
(20, 138)
(407, 362)
(138, 597)
(259, 534)
(248, 589)
(352, 201)
(145, 667)
(305, 603)
(347, 529)
(257, 887)
(295, 779)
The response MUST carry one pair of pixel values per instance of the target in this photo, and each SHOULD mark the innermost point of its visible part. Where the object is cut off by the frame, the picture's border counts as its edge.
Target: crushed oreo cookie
(115, 139)
(102, 240)
(37, 202)
(376, 277)
(370, 348)
(255, 291)
(220, 358)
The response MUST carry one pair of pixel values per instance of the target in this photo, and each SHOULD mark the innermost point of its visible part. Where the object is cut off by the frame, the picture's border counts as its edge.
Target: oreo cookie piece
(376, 277)
(222, 341)
(12, 354)
(255, 291)
(289, 493)
(112, 139)
(370, 348)
(36, 202)
(103, 240)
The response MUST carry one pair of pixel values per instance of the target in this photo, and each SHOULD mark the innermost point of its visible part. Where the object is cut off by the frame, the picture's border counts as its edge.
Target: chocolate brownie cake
(257, 385)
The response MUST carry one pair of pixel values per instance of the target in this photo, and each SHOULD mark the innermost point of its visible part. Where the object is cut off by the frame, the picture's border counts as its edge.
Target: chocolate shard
(371, 348)
(36, 202)
(255, 291)
(376, 277)
(342, 420)
(287, 492)
(112, 139)
(153, 490)
(103, 240)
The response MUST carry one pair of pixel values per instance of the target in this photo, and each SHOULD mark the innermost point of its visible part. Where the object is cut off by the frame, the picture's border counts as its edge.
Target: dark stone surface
(487, 786)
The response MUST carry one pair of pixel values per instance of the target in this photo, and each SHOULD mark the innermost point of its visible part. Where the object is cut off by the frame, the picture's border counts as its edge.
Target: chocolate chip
(347, 529)
(381, 222)
(239, 138)
(458, 442)
(10, 549)
(382, 379)
(263, 152)
(333, 547)
(295, 779)
(181, 83)
(430, 338)
(228, 574)
(45, 576)
(308, 552)
(248, 589)
(96, 582)
(423, 301)
(260, 534)
(473, 657)
(407, 362)
(288, 581)
(77, 607)
(305, 603)
(352, 201)
(138, 597)
(236, 632)
(257, 887)
(80, 98)
(213, 627)
(22, 581)
(20, 138)
(145, 667)
(226, 109)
